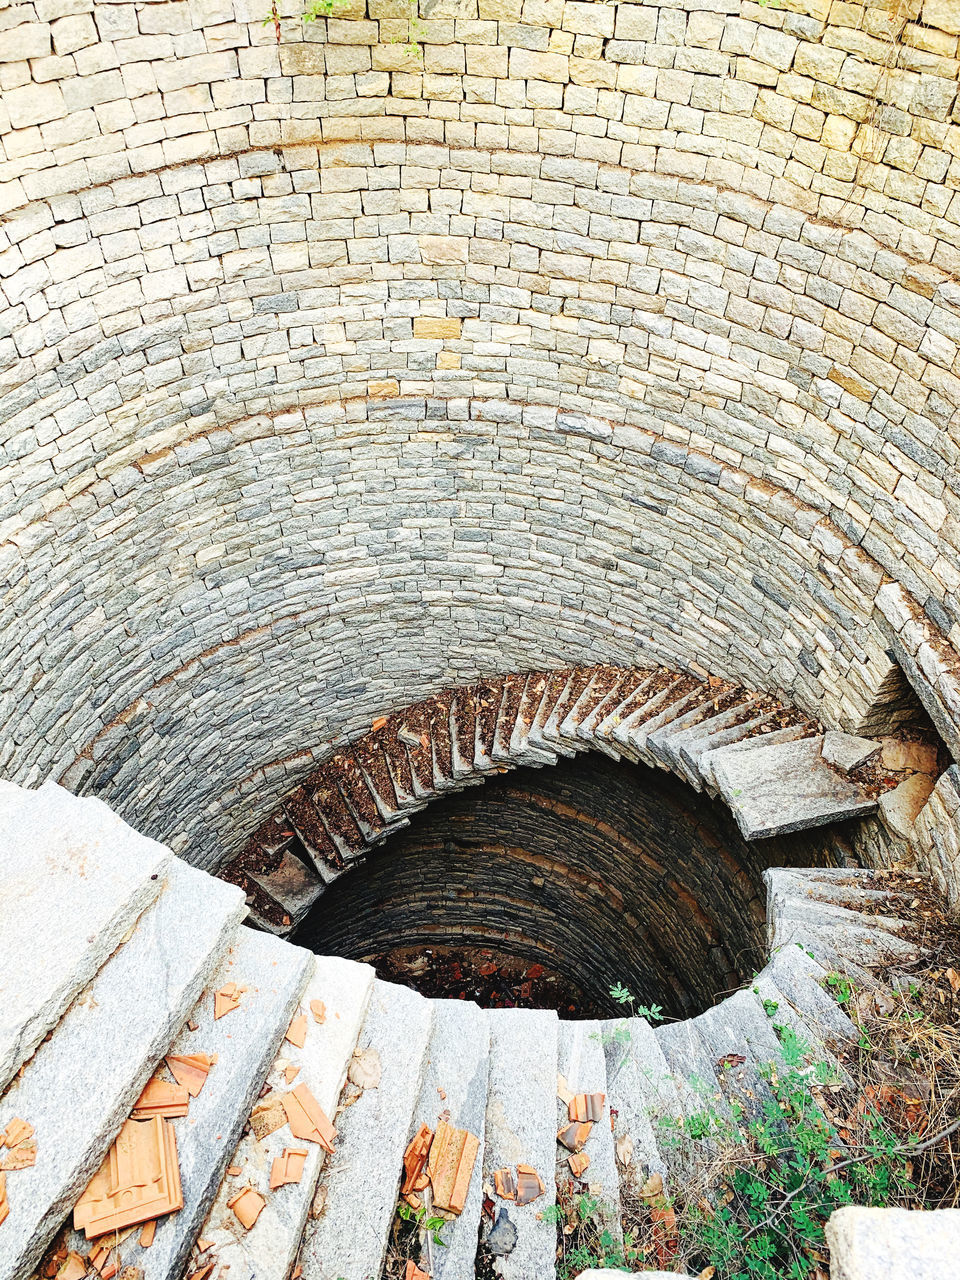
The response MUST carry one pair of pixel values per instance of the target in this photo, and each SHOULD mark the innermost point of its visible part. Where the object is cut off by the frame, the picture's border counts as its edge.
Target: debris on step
(73, 1268)
(267, 1117)
(415, 1163)
(413, 1272)
(502, 1239)
(247, 1205)
(453, 1155)
(574, 1135)
(523, 1187)
(365, 1070)
(161, 1098)
(22, 1149)
(291, 889)
(579, 1162)
(319, 1011)
(226, 1000)
(148, 1231)
(17, 1131)
(4, 1203)
(847, 751)
(191, 1070)
(138, 1180)
(586, 1106)
(505, 1184)
(297, 1031)
(287, 1167)
(306, 1118)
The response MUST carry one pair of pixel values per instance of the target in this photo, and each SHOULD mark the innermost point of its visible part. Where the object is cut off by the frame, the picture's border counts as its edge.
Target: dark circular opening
(548, 887)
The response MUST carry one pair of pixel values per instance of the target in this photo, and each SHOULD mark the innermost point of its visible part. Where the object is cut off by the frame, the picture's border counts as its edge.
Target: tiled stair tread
(397, 759)
(348, 1240)
(245, 1041)
(108, 1044)
(268, 1250)
(520, 1128)
(455, 1086)
(582, 1064)
(705, 763)
(641, 1091)
(774, 790)
(73, 880)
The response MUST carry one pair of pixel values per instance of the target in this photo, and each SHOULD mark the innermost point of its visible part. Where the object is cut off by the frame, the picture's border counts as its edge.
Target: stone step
(368, 754)
(742, 729)
(359, 799)
(316, 840)
(273, 975)
(441, 747)
(645, 703)
(866, 941)
(706, 761)
(579, 679)
(80, 1085)
(739, 1026)
(558, 685)
(615, 713)
(842, 886)
(602, 681)
(521, 1110)
(773, 790)
(489, 695)
(581, 1063)
(727, 720)
(397, 759)
(503, 739)
(619, 693)
(811, 1034)
(268, 1250)
(521, 749)
(713, 704)
(691, 1063)
(74, 878)
(677, 702)
(455, 1088)
(293, 887)
(359, 1184)
(463, 732)
(641, 1092)
(801, 981)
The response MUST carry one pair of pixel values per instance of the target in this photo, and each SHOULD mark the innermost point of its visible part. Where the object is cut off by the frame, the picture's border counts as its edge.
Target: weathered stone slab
(268, 1250)
(521, 1114)
(641, 1089)
(893, 1244)
(455, 1081)
(73, 879)
(787, 787)
(348, 1240)
(792, 977)
(582, 1064)
(80, 1085)
(294, 887)
(706, 761)
(848, 751)
(245, 1041)
(739, 1026)
(900, 807)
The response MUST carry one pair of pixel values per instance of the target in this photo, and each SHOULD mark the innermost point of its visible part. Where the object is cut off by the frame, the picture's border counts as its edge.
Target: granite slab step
(463, 733)
(775, 736)
(774, 790)
(810, 1035)
(632, 702)
(660, 743)
(582, 1064)
(293, 887)
(503, 738)
(691, 750)
(739, 1026)
(729, 719)
(269, 1249)
(378, 779)
(273, 975)
(360, 1181)
(520, 1128)
(360, 799)
(455, 1088)
(336, 815)
(315, 839)
(397, 760)
(642, 1092)
(489, 695)
(601, 681)
(866, 940)
(79, 1086)
(74, 878)
(803, 983)
(558, 683)
(643, 706)
(842, 886)
(521, 749)
(638, 732)
(691, 1063)
(579, 678)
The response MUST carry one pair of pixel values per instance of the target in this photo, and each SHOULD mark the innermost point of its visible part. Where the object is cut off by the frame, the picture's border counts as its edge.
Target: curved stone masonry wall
(602, 872)
(285, 332)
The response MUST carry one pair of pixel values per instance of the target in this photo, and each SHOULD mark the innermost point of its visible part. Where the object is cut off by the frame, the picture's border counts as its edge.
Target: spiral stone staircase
(122, 946)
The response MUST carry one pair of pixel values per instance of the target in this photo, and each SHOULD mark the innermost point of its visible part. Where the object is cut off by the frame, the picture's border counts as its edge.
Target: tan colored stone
(436, 327)
(920, 757)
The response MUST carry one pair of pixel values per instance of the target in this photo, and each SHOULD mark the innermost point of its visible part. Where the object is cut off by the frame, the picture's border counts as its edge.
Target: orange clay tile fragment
(138, 1180)
(287, 1167)
(147, 1233)
(452, 1157)
(203, 1273)
(17, 1131)
(579, 1163)
(4, 1204)
(573, 1136)
(226, 1000)
(319, 1011)
(415, 1160)
(587, 1106)
(191, 1070)
(204, 1245)
(233, 1170)
(306, 1118)
(297, 1031)
(268, 1116)
(72, 1268)
(529, 1185)
(290, 1074)
(413, 1272)
(506, 1184)
(247, 1205)
(161, 1098)
(23, 1156)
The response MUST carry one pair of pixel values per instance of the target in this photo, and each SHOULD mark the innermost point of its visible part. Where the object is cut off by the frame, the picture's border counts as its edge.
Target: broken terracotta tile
(297, 1031)
(161, 1098)
(73, 1268)
(415, 1160)
(268, 1116)
(203, 1273)
(529, 1185)
(413, 1272)
(191, 1070)
(204, 1245)
(147, 1233)
(23, 1156)
(138, 1180)
(506, 1184)
(573, 1136)
(586, 1106)
(319, 1011)
(579, 1163)
(287, 1167)
(4, 1203)
(226, 1000)
(290, 1074)
(306, 1118)
(109, 1269)
(17, 1131)
(247, 1205)
(450, 1166)
(233, 1170)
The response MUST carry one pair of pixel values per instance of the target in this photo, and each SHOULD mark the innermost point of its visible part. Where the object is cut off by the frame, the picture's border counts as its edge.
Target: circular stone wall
(331, 376)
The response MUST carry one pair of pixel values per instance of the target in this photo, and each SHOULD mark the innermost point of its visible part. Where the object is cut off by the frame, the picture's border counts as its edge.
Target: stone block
(891, 1244)
(436, 327)
(847, 751)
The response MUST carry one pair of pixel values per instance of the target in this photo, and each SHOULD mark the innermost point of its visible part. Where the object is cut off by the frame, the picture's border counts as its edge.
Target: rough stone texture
(267, 1251)
(847, 751)
(641, 1091)
(891, 1244)
(455, 1080)
(899, 808)
(293, 886)
(581, 1062)
(787, 787)
(73, 880)
(521, 1127)
(936, 833)
(349, 1239)
(245, 1041)
(81, 1083)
